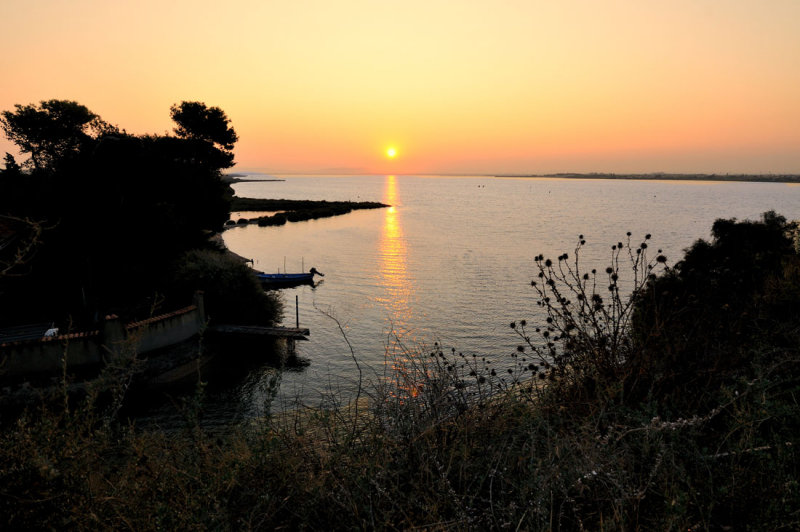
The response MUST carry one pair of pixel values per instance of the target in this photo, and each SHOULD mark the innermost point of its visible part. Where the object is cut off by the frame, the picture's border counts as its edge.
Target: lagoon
(452, 259)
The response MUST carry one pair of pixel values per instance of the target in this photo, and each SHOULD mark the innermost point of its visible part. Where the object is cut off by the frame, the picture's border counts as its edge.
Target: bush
(275, 219)
(647, 330)
(699, 326)
(233, 294)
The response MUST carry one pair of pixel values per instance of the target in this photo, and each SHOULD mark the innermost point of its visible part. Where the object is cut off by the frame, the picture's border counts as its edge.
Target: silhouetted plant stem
(355, 360)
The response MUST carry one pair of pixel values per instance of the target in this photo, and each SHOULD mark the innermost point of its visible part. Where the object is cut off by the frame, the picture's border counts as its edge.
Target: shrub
(646, 330)
(699, 325)
(275, 219)
(232, 291)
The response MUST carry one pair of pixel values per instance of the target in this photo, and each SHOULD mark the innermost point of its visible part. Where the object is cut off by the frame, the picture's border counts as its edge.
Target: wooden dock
(291, 333)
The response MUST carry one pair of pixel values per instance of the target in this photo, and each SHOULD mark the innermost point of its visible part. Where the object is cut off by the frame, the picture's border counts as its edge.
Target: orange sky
(456, 86)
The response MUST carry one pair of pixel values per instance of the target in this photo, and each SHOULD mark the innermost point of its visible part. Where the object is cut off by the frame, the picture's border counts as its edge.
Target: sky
(461, 86)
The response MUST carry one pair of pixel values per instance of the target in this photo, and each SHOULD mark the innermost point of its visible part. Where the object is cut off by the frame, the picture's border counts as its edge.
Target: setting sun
(549, 87)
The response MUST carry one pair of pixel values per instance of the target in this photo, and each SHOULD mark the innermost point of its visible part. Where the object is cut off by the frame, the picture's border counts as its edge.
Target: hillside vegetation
(117, 216)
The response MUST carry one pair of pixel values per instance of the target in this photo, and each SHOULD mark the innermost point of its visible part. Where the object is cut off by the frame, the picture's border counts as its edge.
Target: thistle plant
(585, 336)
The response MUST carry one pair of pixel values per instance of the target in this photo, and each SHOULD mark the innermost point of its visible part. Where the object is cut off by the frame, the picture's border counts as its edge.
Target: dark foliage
(696, 325)
(268, 205)
(206, 126)
(296, 210)
(51, 132)
(12, 169)
(275, 219)
(646, 330)
(116, 209)
(232, 292)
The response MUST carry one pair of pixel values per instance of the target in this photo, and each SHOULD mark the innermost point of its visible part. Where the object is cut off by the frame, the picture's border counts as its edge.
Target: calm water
(452, 259)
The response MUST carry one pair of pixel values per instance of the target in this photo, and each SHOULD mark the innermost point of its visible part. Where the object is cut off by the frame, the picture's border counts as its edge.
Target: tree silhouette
(12, 168)
(50, 131)
(119, 208)
(208, 128)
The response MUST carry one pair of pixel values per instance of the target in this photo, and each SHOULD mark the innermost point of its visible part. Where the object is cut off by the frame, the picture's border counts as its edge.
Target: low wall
(46, 355)
(165, 330)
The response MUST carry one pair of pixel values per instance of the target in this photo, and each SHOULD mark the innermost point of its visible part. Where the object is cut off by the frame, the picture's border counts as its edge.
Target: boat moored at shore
(282, 280)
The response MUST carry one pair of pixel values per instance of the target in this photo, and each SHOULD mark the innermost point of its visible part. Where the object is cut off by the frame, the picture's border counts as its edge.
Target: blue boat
(288, 279)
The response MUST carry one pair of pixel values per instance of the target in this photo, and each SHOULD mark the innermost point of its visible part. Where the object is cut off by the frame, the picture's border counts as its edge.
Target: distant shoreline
(756, 178)
(657, 176)
(237, 178)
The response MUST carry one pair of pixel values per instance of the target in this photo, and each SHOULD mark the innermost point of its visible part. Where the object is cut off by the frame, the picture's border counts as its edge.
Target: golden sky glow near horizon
(455, 86)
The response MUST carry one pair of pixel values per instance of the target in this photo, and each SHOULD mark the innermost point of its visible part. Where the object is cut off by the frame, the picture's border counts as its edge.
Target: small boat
(288, 279)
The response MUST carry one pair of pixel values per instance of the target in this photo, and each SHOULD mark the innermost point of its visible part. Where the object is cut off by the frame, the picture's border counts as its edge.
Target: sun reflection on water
(398, 289)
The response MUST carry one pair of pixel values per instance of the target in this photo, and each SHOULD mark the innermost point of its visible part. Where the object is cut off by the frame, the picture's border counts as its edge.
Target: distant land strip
(274, 205)
(237, 178)
(757, 178)
(294, 210)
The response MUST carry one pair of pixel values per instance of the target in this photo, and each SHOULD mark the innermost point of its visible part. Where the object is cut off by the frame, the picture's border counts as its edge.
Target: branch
(25, 251)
